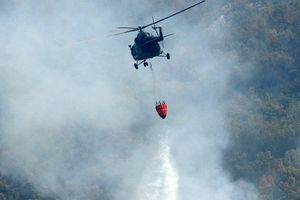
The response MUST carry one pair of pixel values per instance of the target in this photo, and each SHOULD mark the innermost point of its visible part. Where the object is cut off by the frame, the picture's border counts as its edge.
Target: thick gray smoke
(78, 121)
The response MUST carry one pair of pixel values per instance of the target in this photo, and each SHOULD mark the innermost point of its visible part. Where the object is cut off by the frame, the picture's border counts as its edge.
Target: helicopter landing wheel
(146, 64)
(168, 56)
(136, 66)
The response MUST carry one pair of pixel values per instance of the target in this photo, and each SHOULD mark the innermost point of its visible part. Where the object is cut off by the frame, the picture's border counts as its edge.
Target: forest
(264, 113)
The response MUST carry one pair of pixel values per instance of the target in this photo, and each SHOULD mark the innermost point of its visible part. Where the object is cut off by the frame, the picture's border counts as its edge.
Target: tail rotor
(155, 28)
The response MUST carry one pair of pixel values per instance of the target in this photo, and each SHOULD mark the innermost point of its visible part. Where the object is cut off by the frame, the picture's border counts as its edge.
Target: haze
(78, 121)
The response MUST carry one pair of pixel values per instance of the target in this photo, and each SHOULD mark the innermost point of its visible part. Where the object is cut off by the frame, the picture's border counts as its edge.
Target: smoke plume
(78, 121)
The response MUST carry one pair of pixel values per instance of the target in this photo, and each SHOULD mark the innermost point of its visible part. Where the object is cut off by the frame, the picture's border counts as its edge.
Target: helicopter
(146, 46)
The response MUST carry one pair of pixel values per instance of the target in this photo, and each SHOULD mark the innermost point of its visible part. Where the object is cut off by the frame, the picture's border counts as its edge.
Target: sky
(78, 121)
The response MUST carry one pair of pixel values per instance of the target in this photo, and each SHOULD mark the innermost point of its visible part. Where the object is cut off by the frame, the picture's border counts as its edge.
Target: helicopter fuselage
(146, 46)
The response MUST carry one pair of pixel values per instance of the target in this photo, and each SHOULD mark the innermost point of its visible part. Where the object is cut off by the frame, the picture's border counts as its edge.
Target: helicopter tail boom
(160, 37)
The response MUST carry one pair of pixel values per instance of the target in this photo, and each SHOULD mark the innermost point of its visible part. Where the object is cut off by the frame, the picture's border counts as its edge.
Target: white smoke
(78, 121)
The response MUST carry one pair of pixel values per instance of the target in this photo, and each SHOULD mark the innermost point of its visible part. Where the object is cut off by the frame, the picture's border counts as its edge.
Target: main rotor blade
(126, 27)
(168, 35)
(173, 14)
(125, 32)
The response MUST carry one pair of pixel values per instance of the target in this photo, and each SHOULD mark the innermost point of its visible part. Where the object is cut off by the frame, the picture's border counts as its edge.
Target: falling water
(161, 179)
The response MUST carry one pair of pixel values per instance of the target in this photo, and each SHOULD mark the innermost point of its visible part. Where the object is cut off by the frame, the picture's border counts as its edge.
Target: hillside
(264, 114)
